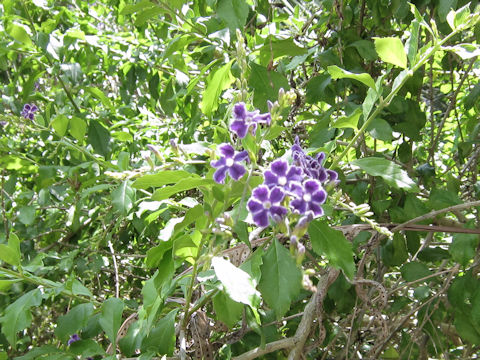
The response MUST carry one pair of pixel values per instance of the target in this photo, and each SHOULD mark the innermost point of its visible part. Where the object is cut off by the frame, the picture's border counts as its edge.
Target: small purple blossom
(265, 204)
(281, 174)
(28, 111)
(311, 167)
(73, 339)
(245, 121)
(229, 161)
(309, 198)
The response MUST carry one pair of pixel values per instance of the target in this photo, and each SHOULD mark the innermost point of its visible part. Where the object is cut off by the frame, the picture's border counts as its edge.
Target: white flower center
(307, 197)
(248, 120)
(229, 162)
(267, 205)
(282, 180)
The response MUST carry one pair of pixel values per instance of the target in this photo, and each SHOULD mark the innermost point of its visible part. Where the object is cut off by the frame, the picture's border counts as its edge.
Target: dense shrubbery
(239, 179)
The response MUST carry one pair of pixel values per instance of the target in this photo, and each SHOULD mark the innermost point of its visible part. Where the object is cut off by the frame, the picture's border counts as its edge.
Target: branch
(432, 214)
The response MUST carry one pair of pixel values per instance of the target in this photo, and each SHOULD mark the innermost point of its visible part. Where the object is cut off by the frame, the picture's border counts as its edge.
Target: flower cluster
(299, 186)
(230, 161)
(28, 111)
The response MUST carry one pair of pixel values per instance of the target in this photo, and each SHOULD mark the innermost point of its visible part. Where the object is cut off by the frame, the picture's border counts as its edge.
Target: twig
(432, 214)
(115, 268)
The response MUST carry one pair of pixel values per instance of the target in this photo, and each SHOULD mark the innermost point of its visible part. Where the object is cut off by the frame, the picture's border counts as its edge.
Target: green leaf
(390, 50)
(366, 49)
(237, 283)
(162, 178)
(338, 73)
(456, 18)
(380, 129)
(19, 33)
(11, 253)
(182, 185)
(78, 128)
(111, 318)
(465, 328)
(333, 245)
(265, 84)
(60, 124)
(388, 170)
(99, 138)
(217, 81)
(274, 49)
(26, 214)
(96, 92)
(281, 278)
(414, 270)
(442, 198)
(155, 254)
(463, 247)
(17, 316)
(161, 339)
(227, 310)
(233, 13)
(73, 321)
(123, 198)
(349, 121)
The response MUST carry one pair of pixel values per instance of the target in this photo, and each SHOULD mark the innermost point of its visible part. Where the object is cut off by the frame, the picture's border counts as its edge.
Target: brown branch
(432, 214)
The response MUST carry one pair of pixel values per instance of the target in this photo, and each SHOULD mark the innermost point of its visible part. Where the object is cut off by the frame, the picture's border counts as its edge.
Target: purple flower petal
(240, 128)
(261, 193)
(220, 175)
(242, 155)
(227, 150)
(218, 163)
(240, 111)
(270, 178)
(254, 206)
(311, 186)
(236, 171)
(261, 219)
(319, 196)
(299, 205)
(332, 175)
(279, 167)
(317, 209)
(277, 195)
(280, 211)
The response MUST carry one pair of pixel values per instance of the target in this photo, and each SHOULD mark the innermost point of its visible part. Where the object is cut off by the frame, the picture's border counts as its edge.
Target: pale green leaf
(123, 198)
(182, 185)
(60, 124)
(349, 121)
(338, 73)
(19, 33)
(237, 283)
(390, 50)
(218, 81)
(392, 173)
(233, 13)
(162, 178)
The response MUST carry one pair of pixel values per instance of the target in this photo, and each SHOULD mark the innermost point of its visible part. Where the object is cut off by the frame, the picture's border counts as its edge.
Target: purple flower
(311, 167)
(281, 174)
(309, 198)
(265, 204)
(73, 338)
(28, 111)
(229, 161)
(247, 120)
